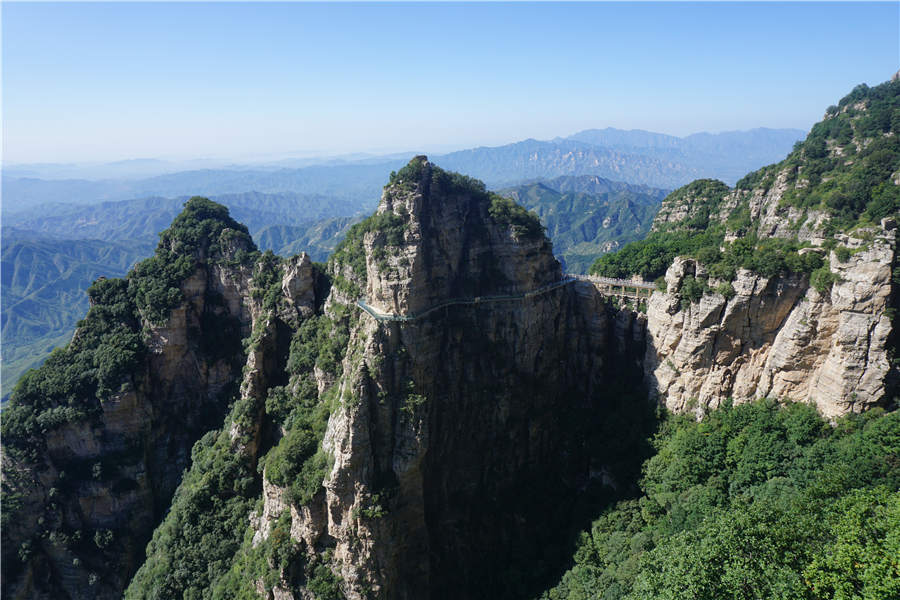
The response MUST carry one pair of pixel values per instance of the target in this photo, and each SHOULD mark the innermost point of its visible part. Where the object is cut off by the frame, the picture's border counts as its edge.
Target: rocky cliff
(431, 441)
(781, 329)
(430, 414)
(89, 470)
(451, 422)
(779, 337)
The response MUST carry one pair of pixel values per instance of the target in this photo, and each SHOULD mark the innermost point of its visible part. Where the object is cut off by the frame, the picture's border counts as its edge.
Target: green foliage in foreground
(755, 501)
(769, 257)
(298, 462)
(204, 528)
(651, 256)
(524, 223)
(277, 560)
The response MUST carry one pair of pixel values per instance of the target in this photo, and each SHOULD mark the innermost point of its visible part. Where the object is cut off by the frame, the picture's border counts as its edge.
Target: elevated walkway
(620, 288)
(385, 317)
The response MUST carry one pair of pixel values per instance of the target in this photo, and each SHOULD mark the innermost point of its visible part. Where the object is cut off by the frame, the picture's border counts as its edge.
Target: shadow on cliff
(892, 383)
(618, 426)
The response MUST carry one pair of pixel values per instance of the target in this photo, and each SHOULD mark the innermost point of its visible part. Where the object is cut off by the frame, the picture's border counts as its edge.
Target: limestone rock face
(451, 249)
(118, 471)
(298, 284)
(778, 338)
(446, 420)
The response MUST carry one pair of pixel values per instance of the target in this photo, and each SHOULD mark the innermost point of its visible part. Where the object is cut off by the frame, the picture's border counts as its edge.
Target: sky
(115, 81)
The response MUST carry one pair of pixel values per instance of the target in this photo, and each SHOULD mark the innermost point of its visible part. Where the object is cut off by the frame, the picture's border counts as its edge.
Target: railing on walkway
(617, 282)
(642, 290)
(621, 288)
(382, 317)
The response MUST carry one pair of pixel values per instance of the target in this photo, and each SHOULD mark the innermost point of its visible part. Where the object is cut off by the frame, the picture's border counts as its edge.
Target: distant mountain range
(637, 157)
(532, 159)
(356, 184)
(146, 217)
(726, 156)
(60, 234)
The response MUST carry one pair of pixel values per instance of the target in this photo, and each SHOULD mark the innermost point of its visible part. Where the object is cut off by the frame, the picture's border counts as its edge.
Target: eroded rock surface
(779, 337)
(449, 420)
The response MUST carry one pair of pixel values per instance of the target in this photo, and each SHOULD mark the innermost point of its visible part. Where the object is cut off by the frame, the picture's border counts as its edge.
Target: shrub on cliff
(71, 383)
(524, 224)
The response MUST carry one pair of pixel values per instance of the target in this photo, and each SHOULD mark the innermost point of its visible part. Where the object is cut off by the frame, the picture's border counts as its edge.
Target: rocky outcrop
(831, 343)
(449, 249)
(87, 506)
(780, 337)
(104, 483)
(447, 421)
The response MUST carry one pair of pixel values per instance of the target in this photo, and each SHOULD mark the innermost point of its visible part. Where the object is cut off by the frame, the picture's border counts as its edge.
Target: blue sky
(113, 81)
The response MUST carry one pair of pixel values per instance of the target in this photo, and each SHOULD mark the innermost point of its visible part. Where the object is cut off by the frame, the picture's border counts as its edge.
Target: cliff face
(84, 492)
(113, 475)
(451, 422)
(423, 417)
(778, 337)
(824, 337)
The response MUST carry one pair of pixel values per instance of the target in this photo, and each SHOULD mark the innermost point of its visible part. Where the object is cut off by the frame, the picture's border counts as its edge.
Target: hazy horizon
(95, 83)
(312, 154)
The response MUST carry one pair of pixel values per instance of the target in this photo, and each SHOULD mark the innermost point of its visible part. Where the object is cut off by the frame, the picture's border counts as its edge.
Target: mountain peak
(438, 235)
(205, 227)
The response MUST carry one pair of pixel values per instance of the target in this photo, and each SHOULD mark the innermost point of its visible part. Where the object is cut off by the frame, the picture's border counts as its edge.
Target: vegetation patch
(822, 278)
(277, 561)
(298, 462)
(691, 290)
(389, 229)
(703, 196)
(844, 168)
(755, 501)
(202, 532)
(203, 231)
(524, 224)
(267, 276)
(650, 258)
(847, 160)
